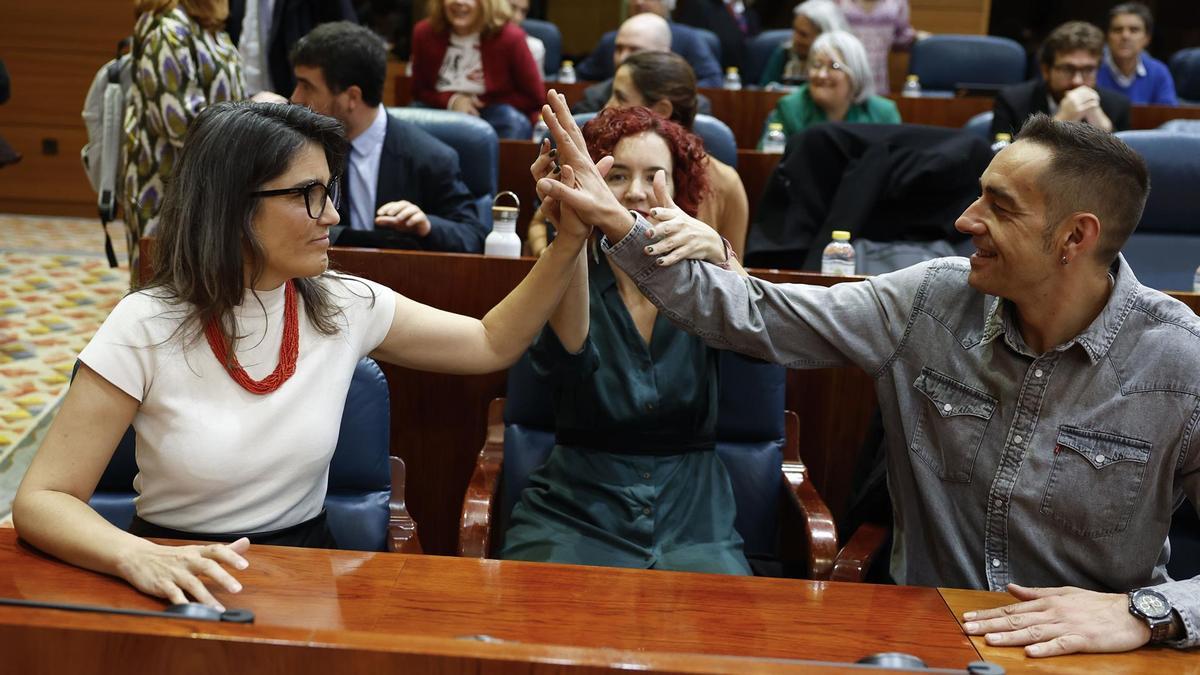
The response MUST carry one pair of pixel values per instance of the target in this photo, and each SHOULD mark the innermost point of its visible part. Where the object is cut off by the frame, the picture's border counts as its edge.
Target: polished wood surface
(342, 611)
(1148, 660)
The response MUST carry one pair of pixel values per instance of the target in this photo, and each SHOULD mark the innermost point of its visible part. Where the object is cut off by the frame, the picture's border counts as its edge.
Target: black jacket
(417, 167)
(290, 21)
(1015, 104)
(883, 182)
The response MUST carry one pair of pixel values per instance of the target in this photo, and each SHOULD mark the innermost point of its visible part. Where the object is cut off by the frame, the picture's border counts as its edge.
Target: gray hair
(669, 5)
(824, 14)
(839, 43)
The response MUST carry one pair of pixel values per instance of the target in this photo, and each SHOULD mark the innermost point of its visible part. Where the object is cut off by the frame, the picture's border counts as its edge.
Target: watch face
(1151, 604)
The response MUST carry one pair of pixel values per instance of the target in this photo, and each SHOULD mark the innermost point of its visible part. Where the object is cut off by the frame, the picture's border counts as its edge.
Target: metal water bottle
(503, 241)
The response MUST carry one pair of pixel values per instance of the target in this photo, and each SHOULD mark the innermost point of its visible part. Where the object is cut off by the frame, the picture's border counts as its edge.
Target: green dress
(634, 480)
(798, 111)
(179, 68)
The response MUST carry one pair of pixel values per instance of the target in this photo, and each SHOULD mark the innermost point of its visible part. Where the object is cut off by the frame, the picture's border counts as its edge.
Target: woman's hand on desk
(172, 571)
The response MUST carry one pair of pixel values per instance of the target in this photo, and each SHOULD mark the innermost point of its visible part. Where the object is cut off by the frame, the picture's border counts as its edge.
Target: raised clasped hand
(173, 572)
(1057, 621)
(679, 236)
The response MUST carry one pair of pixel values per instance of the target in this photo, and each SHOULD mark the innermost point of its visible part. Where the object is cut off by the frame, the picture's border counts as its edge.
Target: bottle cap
(841, 235)
(732, 70)
(568, 63)
(775, 125)
(1003, 137)
(913, 78)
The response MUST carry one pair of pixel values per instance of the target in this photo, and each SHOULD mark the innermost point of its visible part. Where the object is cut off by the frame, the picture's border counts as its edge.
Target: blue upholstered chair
(710, 40)
(1165, 249)
(945, 61)
(477, 146)
(758, 51)
(717, 136)
(756, 438)
(1185, 70)
(980, 125)
(365, 500)
(550, 36)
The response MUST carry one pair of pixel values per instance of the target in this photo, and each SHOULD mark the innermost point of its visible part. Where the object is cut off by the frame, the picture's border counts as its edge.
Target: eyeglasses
(815, 67)
(1069, 71)
(316, 195)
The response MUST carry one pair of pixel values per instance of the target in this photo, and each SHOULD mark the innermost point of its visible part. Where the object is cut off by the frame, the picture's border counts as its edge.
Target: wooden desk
(1149, 660)
(323, 611)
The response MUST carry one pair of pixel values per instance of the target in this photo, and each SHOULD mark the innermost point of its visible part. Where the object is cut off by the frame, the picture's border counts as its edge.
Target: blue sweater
(1155, 86)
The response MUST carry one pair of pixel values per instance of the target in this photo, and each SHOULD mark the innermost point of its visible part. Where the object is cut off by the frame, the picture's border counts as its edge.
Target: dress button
(947, 407)
(646, 475)
(1037, 373)
(1099, 459)
(646, 511)
(1017, 440)
(995, 562)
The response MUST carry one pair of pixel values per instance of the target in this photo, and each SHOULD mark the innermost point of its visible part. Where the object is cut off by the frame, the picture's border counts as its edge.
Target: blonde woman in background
(183, 61)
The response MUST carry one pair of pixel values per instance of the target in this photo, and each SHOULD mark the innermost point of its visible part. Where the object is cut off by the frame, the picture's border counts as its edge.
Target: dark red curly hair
(690, 173)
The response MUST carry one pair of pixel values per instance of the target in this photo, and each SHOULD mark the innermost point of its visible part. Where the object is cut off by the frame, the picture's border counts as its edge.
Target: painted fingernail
(968, 616)
(650, 232)
(970, 627)
(553, 152)
(557, 169)
(649, 249)
(661, 261)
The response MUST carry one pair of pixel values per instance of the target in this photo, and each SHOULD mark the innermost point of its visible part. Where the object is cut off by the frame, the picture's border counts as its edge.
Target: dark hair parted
(665, 75)
(1135, 8)
(689, 161)
(1090, 171)
(349, 55)
(1069, 37)
(205, 230)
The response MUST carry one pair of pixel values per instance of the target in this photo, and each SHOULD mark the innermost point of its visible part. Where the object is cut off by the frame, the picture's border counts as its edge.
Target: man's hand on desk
(171, 571)
(1057, 621)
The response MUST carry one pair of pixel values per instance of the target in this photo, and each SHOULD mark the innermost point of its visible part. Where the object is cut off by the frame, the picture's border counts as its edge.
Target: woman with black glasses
(233, 362)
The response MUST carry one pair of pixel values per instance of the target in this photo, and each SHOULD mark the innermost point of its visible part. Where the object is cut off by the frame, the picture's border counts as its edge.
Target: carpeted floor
(55, 289)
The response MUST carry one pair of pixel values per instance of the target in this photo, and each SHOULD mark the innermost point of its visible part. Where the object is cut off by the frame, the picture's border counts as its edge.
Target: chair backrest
(710, 40)
(359, 475)
(750, 439)
(1164, 250)
(1185, 70)
(980, 125)
(550, 36)
(474, 140)
(945, 61)
(717, 136)
(758, 51)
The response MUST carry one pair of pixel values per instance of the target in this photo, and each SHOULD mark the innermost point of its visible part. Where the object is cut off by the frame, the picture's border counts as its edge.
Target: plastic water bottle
(776, 140)
(838, 258)
(1002, 141)
(503, 241)
(1196, 281)
(733, 81)
(912, 87)
(566, 73)
(540, 131)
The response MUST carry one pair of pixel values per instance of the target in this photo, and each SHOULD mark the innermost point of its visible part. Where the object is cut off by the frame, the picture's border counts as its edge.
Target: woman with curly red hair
(634, 479)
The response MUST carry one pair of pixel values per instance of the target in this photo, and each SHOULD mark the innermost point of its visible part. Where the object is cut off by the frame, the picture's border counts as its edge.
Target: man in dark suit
(266, 48)
(685, 41)
(402, 187)
(1067, 90)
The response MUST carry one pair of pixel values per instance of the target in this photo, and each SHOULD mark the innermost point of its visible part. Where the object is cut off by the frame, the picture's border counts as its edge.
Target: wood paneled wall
(52, 49)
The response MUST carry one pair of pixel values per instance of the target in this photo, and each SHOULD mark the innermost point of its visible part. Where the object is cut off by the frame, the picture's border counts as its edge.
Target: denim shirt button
(966, 344)
(947, 407)
(1037, 373)
(1099, 459)
(995, 562)
(999, 503)
(1017, 440)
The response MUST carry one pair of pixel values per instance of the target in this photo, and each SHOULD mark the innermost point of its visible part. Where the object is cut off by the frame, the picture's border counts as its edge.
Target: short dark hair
(665, 75)
(1069, 37)
(1093, 171)
(348, 55)
(1135, 8)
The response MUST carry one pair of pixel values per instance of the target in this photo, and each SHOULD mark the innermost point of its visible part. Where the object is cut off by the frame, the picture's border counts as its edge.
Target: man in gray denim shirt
(1041, 406)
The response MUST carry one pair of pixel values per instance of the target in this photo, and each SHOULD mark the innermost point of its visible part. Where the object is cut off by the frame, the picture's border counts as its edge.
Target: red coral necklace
(289, 349)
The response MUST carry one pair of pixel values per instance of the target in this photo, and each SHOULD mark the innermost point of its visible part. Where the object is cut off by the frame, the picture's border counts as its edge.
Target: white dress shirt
(363, 172)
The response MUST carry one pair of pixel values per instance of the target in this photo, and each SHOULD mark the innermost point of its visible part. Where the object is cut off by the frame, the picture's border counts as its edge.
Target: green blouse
(798, 111)
(634, 480)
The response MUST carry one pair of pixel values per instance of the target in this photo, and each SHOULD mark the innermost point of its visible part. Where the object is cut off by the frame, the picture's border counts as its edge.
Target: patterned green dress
(179, 67)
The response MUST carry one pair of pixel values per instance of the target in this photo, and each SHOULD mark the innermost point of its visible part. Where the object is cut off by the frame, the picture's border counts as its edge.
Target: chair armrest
(475, 525)
(402, 529)
(855, 558)
(818, 521)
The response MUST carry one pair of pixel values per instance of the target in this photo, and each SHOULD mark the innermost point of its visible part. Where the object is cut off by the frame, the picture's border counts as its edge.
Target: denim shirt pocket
(1095, 481)
(950, 426)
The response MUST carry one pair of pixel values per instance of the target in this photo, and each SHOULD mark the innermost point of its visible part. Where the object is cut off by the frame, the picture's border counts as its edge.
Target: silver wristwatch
(1153, 608)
